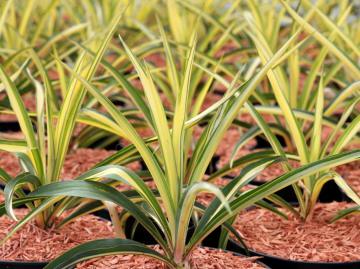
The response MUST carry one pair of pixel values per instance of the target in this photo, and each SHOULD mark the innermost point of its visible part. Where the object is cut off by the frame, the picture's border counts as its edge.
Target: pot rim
(253, 252)
(35, 263)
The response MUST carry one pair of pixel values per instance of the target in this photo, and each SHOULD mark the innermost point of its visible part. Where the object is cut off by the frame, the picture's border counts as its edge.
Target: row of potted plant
(179, 210)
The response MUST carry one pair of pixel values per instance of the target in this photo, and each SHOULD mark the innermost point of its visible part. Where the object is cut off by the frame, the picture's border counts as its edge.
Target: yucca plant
(166, 212)
(45, 28)
(175, 20)
(306, 117)
(43, 149)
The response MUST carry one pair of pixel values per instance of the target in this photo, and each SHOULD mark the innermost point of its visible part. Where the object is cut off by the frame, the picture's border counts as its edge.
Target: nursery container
(277, 262)
(21, 265)
(9, 126)
(329, 193)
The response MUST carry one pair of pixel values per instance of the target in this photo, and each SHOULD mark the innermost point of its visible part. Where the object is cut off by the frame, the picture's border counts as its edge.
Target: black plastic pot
(212, 167)
(140, 234)
(9, 126)
(277, 262)
(116, 145)
(22, 265)
(329, 193)
(262, 143)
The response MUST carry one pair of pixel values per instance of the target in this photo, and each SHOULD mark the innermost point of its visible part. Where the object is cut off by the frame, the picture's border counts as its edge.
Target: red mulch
(29, 102)
(273, 171)
(76, 163)
(9, 163)
(81, 160)
(315, 240)
(201, 258)
(34, 244)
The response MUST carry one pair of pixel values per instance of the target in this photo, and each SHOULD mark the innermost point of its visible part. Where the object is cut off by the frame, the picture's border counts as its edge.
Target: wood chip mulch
(314, 240)
(76, 163)
(201, 258)
(9, 163)
(34, 244)
(81, 160)
(29, 102)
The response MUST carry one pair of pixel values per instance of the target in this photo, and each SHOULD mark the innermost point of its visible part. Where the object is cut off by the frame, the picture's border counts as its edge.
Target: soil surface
(314, 240)
(34, 244)
(76, 162)
(201, 258)
(29, 102)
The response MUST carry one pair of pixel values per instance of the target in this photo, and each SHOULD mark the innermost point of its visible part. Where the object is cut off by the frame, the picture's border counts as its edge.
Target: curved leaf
(103, 247)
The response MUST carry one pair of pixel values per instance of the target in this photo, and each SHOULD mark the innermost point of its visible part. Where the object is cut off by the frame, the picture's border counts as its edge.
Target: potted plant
(166, 213)
(309, 212)
(42, 153)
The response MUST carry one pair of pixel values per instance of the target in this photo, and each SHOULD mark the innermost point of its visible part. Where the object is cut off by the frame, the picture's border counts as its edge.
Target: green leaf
(24, 120)
(161, 125)
(317, 127)
(103, 247)
(140, 145)
(346, 212)
(323, 40)
(75, 95)
(11, 187)
(207, 225)
(99, 191)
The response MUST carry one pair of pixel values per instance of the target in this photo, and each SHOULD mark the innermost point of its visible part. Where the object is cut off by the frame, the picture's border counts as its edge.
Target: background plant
(42, 152)
(305, 117)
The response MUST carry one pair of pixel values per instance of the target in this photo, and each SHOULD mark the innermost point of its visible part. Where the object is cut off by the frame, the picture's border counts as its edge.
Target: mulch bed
(81, 160)
(76, 162)
(314, 240)
(29, 102)
(34, 244)
(203, 258)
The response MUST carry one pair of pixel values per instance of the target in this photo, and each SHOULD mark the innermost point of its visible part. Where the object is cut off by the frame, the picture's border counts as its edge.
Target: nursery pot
(211, 168)
(116, 145)
(9, 126)
(140, 234)
(329, 193)
(277, 262)
(22, 265)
